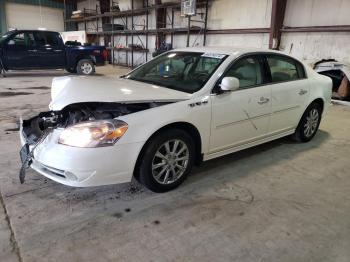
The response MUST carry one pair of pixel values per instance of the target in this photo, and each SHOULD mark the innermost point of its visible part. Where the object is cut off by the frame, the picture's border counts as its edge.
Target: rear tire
(309, 123)
(166, 161)
(85, 67)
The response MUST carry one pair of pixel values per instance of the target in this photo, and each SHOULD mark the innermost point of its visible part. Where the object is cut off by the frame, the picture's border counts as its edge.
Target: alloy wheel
(86, 68)
(170, 161)
(311, 124)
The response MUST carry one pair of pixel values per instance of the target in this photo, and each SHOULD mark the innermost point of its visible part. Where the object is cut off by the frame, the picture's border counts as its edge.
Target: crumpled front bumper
(83, 167)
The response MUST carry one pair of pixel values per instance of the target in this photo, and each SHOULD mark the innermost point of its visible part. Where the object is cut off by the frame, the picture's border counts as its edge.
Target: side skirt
(247, 145)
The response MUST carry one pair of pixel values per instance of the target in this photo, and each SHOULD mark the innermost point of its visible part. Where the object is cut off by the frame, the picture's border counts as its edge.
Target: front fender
(143, 124)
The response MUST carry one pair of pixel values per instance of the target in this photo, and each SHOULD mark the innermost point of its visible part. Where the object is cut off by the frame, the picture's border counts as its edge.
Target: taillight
(105, 54)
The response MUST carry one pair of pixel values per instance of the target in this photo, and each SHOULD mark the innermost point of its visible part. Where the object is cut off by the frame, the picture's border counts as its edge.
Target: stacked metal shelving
(130, 33)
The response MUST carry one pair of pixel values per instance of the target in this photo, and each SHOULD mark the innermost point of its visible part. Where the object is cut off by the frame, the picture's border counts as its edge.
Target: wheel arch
(297, 136)
(83, 57)
(320, 102)
(187, 127)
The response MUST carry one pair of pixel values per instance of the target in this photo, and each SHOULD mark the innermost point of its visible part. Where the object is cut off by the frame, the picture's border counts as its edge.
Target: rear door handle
(302, 92)
(263, 100)
(33, 50)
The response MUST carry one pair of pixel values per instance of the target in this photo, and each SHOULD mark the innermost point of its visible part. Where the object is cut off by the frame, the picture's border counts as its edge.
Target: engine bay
(34, 128)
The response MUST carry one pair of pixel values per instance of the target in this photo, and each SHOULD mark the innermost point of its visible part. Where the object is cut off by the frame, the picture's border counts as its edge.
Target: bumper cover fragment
(26, 159)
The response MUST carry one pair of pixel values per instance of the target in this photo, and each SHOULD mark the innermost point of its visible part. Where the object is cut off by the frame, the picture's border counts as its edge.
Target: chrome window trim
(212, 92)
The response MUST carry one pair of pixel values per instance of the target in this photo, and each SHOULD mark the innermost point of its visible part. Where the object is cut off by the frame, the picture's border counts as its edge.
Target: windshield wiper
(146, 81)
(158, 84)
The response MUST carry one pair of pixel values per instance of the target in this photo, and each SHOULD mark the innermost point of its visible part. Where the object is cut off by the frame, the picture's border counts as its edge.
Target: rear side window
(284, 69)
(47, 39)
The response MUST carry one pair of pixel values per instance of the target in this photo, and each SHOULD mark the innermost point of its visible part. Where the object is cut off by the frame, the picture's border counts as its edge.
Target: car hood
(71, 90)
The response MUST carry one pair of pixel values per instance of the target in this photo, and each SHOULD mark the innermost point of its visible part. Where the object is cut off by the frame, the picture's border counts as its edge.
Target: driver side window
(248, 71)
(23, 40)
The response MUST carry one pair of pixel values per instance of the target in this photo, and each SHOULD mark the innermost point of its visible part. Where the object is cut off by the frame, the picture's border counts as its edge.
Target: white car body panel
(226, 123)
(88, 172)
(70, 90)
(248, 118)
(288, 103)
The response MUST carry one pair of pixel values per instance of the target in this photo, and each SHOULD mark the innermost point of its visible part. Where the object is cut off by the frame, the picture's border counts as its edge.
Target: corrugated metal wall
(70, 6)
(23, 16)
(318, 45)
(2, 17)
(47, 3)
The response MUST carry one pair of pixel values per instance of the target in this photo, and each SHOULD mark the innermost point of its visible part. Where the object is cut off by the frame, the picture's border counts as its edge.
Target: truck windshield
(3, 37)
(183, 71)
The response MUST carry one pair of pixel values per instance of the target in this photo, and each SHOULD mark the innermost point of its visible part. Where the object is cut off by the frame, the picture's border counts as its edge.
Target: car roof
(228, 50)
(27, 30)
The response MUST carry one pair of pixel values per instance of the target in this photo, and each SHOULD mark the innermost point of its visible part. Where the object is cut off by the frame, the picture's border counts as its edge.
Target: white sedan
(182, 107)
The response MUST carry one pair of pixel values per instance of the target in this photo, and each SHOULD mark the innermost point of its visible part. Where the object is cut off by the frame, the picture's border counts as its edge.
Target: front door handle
(302, 92)
(33, 50)
(263, 100)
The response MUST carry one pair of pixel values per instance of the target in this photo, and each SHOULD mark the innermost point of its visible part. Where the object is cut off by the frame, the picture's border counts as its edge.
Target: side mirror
(11, 42)
(229, 84)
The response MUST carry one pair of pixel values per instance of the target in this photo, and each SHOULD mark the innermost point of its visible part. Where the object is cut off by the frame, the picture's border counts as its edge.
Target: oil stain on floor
(6, 94)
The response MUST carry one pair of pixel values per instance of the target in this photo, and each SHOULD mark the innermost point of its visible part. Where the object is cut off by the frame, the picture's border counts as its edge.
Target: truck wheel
(85, 67)
(71, 70)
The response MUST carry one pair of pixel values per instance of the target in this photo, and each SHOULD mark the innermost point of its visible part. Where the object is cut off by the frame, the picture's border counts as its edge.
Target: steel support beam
(313, 29)
(160, 22)
(238, 31)
(277, 18)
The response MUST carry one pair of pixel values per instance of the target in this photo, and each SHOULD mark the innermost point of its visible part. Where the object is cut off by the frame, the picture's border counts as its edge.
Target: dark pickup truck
(35, 49)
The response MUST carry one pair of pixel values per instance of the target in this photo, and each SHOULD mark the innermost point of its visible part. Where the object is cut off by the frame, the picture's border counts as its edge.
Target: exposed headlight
(93, 134)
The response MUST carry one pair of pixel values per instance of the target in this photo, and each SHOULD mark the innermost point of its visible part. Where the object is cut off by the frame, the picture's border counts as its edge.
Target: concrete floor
(281, 201)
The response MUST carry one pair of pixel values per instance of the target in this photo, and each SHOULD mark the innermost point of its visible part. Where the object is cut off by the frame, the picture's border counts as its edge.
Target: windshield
(3, 37)
(182, 71)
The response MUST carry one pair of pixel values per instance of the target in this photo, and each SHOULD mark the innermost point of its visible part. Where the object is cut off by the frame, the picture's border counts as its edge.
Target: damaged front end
(80, 116)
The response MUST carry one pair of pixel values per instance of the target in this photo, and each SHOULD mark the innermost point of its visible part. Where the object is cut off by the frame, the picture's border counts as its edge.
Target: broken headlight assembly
(93, 133)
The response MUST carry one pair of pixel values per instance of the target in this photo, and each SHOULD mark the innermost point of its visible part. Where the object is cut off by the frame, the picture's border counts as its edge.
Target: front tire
(309, 123)
(167, 160)
(71, 70)
(85, 67)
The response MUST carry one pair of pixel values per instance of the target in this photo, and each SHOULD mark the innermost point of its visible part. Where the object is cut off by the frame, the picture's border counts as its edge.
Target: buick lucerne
(183, 107)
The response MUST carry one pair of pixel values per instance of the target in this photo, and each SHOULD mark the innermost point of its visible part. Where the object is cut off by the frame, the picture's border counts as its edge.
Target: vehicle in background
(36, 49)
(340, 75)
(180, 108)
(73, 43)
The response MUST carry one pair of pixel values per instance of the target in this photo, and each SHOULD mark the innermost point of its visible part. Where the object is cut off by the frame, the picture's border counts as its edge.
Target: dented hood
(70, 90)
